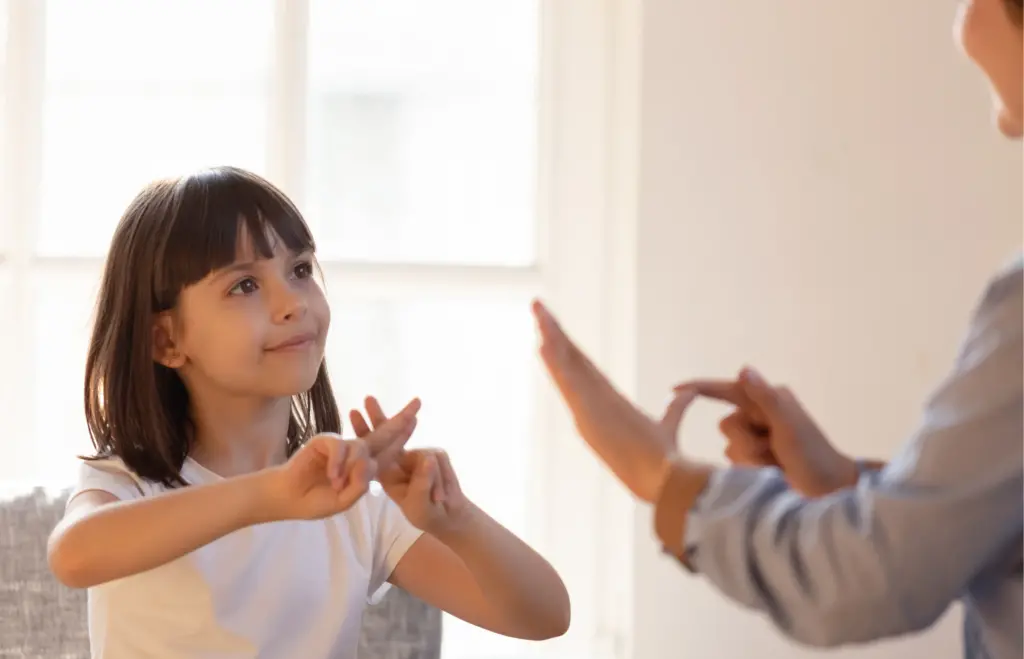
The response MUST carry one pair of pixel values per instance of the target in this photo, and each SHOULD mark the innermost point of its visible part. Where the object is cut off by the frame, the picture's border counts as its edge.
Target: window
(421, 130)
(3, 100)
(452, 158)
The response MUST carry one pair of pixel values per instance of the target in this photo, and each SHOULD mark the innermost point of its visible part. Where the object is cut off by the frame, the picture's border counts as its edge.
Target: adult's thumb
(677, 408)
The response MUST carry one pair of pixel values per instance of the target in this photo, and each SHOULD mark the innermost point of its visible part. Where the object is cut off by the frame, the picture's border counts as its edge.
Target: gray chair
(41, 619)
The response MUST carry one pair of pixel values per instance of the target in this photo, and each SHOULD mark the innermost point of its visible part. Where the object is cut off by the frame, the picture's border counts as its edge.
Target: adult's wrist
(684, 482)
(847, 473)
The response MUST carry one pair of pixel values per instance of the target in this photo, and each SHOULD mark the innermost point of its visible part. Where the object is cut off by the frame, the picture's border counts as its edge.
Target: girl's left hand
(421, 481)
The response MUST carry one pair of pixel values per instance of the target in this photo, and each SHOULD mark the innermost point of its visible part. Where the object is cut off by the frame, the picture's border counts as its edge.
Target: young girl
(222, 515)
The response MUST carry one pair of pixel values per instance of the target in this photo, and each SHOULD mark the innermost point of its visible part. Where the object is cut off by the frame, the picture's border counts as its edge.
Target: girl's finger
(395, 430)
(424, 476)
(389, 453)
(448, 477)
(337, 451)
(359, 425)
(357, 459)
(356, 485)
(437, 492)
(374, 410)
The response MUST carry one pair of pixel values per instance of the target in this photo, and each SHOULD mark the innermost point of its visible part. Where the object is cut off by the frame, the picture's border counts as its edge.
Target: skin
(245, 340)
(991, 39)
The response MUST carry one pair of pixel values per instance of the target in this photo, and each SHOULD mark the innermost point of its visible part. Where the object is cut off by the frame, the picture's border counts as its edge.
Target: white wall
(819, 194)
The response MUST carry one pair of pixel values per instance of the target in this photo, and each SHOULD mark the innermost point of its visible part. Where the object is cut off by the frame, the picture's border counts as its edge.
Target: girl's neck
(235, 436)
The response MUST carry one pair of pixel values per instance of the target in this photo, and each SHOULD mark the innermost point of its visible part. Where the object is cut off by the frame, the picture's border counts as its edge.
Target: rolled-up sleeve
(891, 554)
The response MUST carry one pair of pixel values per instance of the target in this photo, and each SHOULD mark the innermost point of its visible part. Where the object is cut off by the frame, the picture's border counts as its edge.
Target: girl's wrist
(263, 492)
(456, 526)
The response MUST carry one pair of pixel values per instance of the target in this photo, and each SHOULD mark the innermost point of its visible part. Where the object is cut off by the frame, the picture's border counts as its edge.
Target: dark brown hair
(173, 234)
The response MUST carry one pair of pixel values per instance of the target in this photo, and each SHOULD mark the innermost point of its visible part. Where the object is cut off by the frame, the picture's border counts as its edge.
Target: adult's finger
(578, 380)
(555, 350)
(738, 457)
(676, 409)
(745, 444)
(549, 327)
(763, 395)
(788, 402)
(728, 391)
(564, 349)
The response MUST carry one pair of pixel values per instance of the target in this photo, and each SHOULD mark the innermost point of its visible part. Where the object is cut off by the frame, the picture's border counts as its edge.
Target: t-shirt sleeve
(393, 536)
(108, 475)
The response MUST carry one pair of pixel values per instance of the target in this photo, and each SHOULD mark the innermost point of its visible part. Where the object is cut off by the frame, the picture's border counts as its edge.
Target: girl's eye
(303, 270)
(245, 287)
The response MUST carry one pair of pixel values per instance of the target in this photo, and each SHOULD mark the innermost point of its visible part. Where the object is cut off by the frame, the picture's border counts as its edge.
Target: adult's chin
(1010, 126)
(1010, 123)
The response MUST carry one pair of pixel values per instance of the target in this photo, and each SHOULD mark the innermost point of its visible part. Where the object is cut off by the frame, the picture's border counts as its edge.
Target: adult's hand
(638, 449)
(769, 427)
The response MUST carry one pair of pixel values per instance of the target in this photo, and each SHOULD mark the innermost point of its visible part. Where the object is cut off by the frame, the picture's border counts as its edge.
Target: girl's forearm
(517, 580)
(123, 538)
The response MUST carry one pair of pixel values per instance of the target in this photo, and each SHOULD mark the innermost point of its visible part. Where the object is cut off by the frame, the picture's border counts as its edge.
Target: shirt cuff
(682, 489)
(865, 466)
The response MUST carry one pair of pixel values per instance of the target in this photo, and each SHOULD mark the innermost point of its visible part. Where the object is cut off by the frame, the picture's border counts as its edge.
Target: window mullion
(24, 79)
(286, 128)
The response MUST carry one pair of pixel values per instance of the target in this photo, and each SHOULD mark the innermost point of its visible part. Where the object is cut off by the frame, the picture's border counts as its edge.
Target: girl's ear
(165, 349)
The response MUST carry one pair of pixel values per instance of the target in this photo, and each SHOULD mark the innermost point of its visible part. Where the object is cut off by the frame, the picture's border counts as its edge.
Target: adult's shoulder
(1007, 286)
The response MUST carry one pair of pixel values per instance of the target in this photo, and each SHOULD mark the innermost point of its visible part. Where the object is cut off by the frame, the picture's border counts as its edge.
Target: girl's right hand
(328, 474)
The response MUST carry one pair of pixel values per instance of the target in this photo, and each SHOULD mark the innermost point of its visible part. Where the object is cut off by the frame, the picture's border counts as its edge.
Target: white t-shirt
(291, 589)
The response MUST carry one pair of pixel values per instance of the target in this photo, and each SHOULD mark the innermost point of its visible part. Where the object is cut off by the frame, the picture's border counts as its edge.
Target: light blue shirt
(942, 522)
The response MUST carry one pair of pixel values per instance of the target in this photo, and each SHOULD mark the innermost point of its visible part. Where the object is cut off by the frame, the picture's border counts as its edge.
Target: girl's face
(990, 36)
(255, 328)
